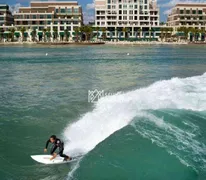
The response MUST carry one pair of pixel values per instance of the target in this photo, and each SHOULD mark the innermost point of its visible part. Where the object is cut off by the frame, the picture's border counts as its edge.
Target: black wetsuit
(57, 144)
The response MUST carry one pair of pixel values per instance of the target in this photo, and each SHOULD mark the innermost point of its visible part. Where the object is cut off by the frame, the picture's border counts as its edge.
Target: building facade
(134, 15)
(54, 15)
(188, 15)
(6, 17)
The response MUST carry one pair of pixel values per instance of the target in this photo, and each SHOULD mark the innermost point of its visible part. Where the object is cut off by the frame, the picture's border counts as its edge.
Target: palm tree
(166, 33)
(12, 30)
(197, 31)
(162, 33)
(89, 32)
(125, 31)
(104, 33)
(55, 32)
(139, 32)
(1, 33)
(23, 29)
(33, 34)
(76, 30)
(44, 34)
(97, 29)
(48, 30)
(205, 35)
(66, 34)
(81, 29)
(150, 33)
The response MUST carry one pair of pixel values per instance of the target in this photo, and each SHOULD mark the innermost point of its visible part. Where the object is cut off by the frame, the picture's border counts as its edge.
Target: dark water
(153, 126)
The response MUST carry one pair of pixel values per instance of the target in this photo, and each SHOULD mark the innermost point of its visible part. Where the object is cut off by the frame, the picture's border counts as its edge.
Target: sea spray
(112, 113)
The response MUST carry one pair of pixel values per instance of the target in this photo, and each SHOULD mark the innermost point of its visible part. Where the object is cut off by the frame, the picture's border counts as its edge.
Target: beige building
(188, 15)
(6, 18)
(130, 14)
(60, 15)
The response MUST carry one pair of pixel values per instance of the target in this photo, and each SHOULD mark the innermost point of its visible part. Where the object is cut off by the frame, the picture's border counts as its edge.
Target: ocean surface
(149, 125)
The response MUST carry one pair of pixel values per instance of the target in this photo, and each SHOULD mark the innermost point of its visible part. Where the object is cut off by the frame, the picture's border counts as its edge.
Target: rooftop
(191, 4)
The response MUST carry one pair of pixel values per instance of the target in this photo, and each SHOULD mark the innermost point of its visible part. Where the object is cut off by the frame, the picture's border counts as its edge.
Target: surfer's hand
(45, 150)
(54, 156)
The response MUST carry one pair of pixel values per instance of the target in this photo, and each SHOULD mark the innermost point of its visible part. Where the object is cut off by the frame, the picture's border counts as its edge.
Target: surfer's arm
(47, 143)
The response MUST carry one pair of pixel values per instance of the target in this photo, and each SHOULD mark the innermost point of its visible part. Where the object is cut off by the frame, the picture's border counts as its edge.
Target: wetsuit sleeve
(60, 145)
(47, 143)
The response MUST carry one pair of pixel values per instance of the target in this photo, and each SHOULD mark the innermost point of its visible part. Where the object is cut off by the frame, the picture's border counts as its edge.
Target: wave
(112, 113)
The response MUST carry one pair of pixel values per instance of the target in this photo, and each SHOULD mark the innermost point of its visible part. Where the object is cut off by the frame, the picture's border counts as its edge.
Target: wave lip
(114, 112)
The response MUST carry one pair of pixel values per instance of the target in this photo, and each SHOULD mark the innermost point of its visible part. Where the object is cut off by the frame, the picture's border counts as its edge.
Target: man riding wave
(57, 144)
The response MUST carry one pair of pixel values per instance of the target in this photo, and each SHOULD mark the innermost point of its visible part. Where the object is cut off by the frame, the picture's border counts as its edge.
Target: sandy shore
(146, 43)
(100, 43)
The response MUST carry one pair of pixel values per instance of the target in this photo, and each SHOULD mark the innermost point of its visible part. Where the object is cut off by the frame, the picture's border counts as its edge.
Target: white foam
(114, 112)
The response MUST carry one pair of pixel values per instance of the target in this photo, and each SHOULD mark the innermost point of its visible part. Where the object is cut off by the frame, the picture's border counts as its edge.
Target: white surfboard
(45, 159)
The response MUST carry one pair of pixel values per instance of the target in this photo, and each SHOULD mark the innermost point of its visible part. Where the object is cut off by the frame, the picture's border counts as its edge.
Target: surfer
(57, 143)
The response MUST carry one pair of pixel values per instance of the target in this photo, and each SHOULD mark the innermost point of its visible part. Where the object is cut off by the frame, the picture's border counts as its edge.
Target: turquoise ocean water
(152, 126)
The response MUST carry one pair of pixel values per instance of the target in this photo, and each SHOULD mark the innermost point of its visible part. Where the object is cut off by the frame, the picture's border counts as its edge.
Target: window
(76, 10)
(41, 16)
(63, 11)
(69, 10)
(181, 11)
(34, 17)
(188, 11)
(194, 12)
(120, 6)
(49, 16)
(57, 10)
(199, 12)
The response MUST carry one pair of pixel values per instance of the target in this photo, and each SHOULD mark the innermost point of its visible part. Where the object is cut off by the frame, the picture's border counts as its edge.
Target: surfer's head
(53, 138)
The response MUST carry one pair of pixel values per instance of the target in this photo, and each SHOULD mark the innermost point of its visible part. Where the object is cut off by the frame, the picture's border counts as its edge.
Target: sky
(88, 6)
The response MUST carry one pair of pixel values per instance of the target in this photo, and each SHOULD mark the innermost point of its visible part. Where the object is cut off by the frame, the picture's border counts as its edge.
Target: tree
(33, 34)
(125, 31)
(97, 29)
(23, 29)
(197, 31)
(162, 23)
(66, 34)
(44, 34)
(55, 32)
(12, 30)
(48, 30)
(166, 33)
(88, 31)
(76, 30)
(139, 32)
(1, 33)
(150, 33)
(162, 33)
(104, 33)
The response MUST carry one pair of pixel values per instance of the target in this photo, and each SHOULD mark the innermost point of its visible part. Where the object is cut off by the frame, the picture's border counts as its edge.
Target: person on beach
(57, 143)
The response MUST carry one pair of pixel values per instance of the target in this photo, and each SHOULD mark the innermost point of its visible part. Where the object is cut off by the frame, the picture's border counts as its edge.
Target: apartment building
(6, 18)
(188, 15)
(130, 14)
(60, 15)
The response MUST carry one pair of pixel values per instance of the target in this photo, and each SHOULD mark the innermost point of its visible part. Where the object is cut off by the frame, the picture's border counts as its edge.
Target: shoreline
(122, 43)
